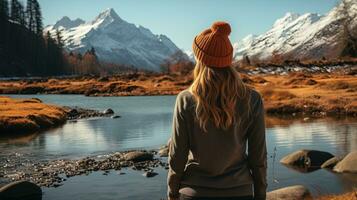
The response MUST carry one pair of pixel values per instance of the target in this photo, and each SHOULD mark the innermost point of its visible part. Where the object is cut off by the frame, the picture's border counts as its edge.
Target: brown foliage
(82, 65)
(177, 63)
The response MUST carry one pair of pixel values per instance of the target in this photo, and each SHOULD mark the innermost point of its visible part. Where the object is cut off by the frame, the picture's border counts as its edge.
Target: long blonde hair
(216, 91)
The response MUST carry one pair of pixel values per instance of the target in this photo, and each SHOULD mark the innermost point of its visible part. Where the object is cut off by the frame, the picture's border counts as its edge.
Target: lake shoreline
(54, 173)
(296, 93)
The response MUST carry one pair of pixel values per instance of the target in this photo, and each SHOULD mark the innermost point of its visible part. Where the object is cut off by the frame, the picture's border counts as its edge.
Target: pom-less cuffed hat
(212, 47)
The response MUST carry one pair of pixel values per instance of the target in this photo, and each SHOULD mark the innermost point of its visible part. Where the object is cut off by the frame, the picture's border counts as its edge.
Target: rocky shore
(53, 173)
(310, 160)
(21, 116)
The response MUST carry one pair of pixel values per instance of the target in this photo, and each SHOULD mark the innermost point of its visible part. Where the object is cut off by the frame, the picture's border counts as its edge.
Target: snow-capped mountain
(115, 40)
(67, 23)
(305, 36)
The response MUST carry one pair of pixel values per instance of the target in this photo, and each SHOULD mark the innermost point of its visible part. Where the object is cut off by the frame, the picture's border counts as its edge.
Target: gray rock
(330, 163)
(108, 111)
(306, 158)
(296, 192)
(115, 116)
(150, 174)
(20, 190)
(138, 156)
(73, 112)
(347, 164)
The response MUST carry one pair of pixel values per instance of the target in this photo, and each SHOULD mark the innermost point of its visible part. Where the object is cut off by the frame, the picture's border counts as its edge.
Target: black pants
(185, 197)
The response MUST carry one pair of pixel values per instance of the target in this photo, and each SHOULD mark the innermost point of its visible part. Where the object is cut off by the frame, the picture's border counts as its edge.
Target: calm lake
(146, 124)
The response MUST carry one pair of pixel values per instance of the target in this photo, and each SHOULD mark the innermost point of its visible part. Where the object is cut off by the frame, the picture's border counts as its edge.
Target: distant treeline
(23, 48)
(26, 51)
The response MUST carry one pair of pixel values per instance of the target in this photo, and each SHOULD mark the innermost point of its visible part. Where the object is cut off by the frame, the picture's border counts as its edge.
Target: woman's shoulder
(185, 95)
(185, 98)
(255, 99)
(254, 95)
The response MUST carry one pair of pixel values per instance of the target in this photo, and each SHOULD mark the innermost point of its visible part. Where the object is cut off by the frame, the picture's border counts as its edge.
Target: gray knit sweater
(217, 160)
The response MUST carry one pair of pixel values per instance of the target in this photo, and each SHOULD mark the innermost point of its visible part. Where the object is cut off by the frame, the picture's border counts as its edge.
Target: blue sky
(182, 20)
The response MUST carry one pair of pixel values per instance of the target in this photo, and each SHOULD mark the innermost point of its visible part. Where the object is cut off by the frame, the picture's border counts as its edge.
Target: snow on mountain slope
(304, 36)
(116, 40)
(190, 55)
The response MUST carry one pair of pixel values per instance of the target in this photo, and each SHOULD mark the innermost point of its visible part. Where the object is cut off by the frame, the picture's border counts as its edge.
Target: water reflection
(146, 124)
(337, 137)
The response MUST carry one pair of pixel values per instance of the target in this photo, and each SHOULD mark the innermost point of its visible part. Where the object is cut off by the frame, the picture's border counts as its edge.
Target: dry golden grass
(347, 196)
(28, 115)
(326, 94)
(276, 95)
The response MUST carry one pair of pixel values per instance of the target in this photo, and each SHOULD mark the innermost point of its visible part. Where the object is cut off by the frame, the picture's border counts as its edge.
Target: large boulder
(306, 158)
(330, 163)
(296, 192)
(20, 190)
(347, 164)
(138, 156)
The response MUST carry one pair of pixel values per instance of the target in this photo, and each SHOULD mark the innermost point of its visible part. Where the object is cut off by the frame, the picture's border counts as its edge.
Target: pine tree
(30, 14)
(4, 10)
(23, 48)
(4, 30)
(38, 18)
(17, 12)
(92, 51)
(22, 15)
(59, 39)
(59, 50)
(50, 43)
(14, 16)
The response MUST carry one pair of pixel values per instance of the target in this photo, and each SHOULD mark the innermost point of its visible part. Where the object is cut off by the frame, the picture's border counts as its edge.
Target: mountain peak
(67, 23)
(108, 14)
(306, 36)
(289, 17)
(119, 42)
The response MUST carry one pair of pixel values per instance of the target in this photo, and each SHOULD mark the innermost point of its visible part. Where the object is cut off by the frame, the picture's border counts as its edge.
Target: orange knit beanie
(212, 47)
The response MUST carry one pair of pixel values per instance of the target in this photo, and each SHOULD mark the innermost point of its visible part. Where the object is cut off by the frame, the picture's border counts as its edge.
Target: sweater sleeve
(257, 153)
(178, 149)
